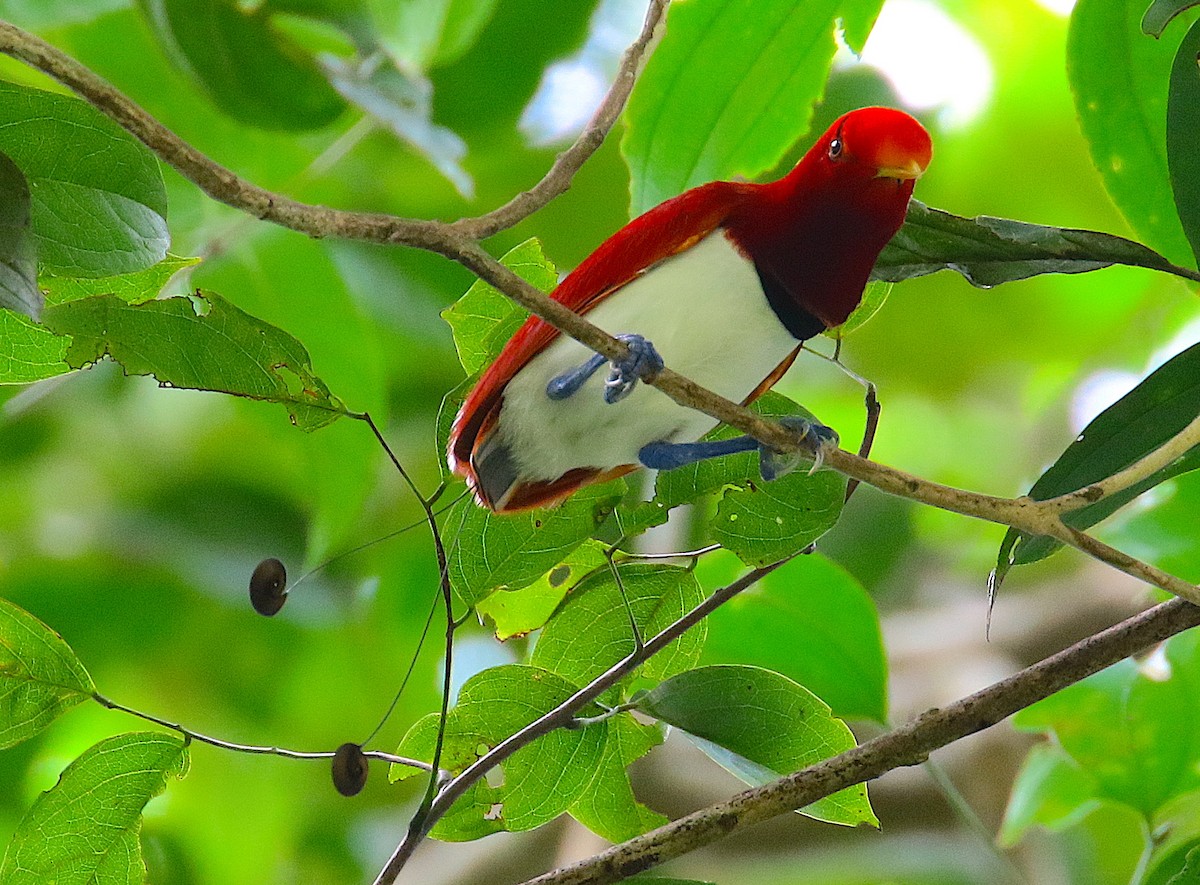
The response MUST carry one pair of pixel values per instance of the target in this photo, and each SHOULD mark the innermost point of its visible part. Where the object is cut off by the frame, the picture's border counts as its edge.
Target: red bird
(722, 283)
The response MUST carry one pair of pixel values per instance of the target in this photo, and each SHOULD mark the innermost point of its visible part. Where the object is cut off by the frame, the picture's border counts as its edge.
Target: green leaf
(770, 726)
(18, 251)
(1160, 13)
(404, 104)
(85, 829)
(252, 71)
(28, 351)
(812, 622)
(874, 297)
(1132, 427)
(518, 612)
(608, 806)
(493, 551)
(591, 631)
(1183, 121)
(1133, 732)
(99, 205)
(1175, 857)
(484, 319)
(40, 677)
(729, 90)
(133, 287)
(200, 342)
(541, 780)
(424, 33)
(1117, 78)
(1051, 791)
(989, 251)
(1189, 873)
(770, 521)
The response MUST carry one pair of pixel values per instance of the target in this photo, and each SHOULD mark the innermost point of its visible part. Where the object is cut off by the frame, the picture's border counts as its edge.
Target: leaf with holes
(608, 806)
(85, 829)
(760, 726)
(541, 780)
(201, 342)
(40, 677)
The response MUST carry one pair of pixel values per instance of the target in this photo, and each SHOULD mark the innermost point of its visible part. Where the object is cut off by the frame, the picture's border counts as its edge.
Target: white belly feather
(705, 312)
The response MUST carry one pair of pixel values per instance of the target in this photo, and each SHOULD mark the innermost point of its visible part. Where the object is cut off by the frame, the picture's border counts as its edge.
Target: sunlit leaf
(767, 725)
(99, 206)
(511, 551)
(1117, 77)
(40, 677)
(1183, 122)
(484, 319)
(18, 253)
(541, 780)
(812, 622)
(200, 342)
(518, 612)
(251, 70)
(592, 630)
(28, 351)
(608, 806)
(730, 90)
(989, 251)
(85, 830)
(133, 287)
(1131, 428)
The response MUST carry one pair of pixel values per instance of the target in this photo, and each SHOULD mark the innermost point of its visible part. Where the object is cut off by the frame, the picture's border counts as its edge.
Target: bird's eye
(835, 149)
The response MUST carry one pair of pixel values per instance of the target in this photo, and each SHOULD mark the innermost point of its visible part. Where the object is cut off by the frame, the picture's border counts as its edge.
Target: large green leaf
(1183, 122)
(768, 725)
(608, 806)
(541, 780)
(1134, 426)
(18, 250)
(40, 677)
(1051, 791)
(1135, 734)
(85, 830)
(252, 70)
(483, 320)
(730, 89)
(201, 342)
(492, 551)
(1117, 78)
(812, 622)
(989, 251)
(99, 206)
(592, 630)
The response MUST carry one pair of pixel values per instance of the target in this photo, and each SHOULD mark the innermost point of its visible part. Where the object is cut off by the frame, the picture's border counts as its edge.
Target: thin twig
(908, 745)
(253, 748)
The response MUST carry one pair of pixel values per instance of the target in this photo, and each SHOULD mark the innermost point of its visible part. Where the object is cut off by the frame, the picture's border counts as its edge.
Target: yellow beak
(910, 170)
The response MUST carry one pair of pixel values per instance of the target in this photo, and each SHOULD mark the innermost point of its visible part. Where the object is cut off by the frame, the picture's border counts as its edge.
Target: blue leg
(643, 360)
(668, 456)
(771, 464)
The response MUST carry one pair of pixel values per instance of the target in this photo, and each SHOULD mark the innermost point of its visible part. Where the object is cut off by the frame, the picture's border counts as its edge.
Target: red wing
(666, 230)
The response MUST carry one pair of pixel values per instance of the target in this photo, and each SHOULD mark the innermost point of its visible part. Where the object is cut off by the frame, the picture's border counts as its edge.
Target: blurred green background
(131, 518)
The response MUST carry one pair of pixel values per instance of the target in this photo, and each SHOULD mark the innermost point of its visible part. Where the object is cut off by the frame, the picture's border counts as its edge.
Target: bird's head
(880, 150)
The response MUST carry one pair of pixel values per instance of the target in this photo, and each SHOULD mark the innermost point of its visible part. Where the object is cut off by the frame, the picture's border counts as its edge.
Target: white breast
(705, 312)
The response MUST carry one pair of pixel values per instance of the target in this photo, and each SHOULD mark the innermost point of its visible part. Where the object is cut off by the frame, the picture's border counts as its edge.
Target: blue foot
(643, 360)
(813, 436)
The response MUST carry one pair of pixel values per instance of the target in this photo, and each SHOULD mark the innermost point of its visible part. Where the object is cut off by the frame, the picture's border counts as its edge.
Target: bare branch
(910, 744)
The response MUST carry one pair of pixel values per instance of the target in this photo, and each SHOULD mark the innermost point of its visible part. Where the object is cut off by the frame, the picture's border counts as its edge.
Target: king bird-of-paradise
(722, 283)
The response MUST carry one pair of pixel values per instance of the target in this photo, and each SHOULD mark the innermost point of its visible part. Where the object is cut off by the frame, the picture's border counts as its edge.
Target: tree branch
(908, 745)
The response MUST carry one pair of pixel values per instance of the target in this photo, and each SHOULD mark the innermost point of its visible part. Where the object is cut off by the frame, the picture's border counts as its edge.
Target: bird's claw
(813, 435)
(643, 360)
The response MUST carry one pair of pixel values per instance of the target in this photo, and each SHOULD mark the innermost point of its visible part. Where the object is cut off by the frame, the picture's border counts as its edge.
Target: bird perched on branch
(722, 284)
